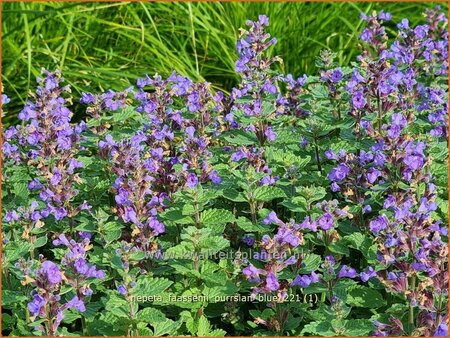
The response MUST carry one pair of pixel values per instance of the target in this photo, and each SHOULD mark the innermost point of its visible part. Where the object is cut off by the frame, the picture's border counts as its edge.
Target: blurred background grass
(101, 46)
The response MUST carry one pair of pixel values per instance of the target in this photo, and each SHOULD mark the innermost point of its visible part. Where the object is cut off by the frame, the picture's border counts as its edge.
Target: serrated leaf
(310, 263)
(268, 193)
(124, 114)
(21, 191)
(12, 297)
(148, 286)
(203, 327)
(234, 195)
(247, 225)
(150, 315)
(216, 216)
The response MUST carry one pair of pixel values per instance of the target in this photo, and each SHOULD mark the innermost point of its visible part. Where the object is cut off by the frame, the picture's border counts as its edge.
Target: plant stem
(196, 211)
(83, 325)
(316, 149)
(379, 113)
(253, 210)
(411, 308)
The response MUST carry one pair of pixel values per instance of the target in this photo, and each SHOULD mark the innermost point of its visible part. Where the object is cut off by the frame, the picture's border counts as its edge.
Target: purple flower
(122, 197)
(394, 131)
(248, 240)
(190, 132)
(59, 213)
(358, 100)
(61, 240)
(85, 235)
(191, 181)
(36, 304)
(80, 266)
(347, 271)
(268, 180)
(130, 216)
(386, 16)
(326, 221)
(368, 274)
(271, 218)
(50, 271)
(335, 187)
(263, 20)
(11, 216)
(35, 184)
(336, 75)
(122, 290)
(399, 119)
(404, 24)
(329, 154)
(372, 175)
(252, 273)
(421, 31)
(366, 209)
(270, 134)
(426, 206)
(237, 156)
(378, 224)
(302, 281)
(5, 99)
(157, 226)
(76, 303)
(390, 241)
(414, 162)
(339, 173)
(214, 177)
(441, 331)
(87, 98)
(272, 282)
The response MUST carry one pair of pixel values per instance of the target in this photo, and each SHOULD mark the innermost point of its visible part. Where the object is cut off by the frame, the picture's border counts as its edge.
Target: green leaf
(21, 191)
(246, 225)
(167, 326)
(318, 328)
(203, 327)
(148, 286)
(239, 137)
(363, 296)
(339, 248)
(176, 215)
(118, 306)
(216, 216)
(150, 315)
(234, 195)
(358, 327)
(12, 297)
(267, 193)
(112, 231)
(41, 241)
(310, 263)
(16, 250)
(124, 114)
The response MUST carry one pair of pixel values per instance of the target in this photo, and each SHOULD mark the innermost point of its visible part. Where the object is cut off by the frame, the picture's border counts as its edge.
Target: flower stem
(379, 113)
(411, 308)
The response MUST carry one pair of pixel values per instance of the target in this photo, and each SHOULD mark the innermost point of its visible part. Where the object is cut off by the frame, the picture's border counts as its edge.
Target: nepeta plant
(308, 205)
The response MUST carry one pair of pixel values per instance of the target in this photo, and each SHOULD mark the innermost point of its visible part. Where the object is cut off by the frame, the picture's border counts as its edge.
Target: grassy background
(100, 46)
